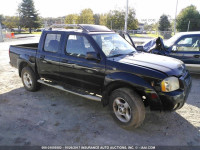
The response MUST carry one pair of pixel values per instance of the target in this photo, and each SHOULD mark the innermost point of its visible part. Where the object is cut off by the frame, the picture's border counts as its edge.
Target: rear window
(52, 42)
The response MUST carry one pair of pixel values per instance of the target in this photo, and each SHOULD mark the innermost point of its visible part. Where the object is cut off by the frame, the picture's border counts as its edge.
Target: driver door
(78, 71)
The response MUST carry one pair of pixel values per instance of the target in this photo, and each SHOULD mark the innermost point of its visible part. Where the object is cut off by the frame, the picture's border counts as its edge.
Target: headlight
(170, 84)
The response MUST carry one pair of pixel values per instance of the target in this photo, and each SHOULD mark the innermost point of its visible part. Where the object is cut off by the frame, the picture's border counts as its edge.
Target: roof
(80, 27)
(187, 33)
(95, 28)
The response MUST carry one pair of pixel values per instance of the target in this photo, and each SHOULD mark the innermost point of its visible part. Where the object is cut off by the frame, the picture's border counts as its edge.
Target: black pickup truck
(97, 63)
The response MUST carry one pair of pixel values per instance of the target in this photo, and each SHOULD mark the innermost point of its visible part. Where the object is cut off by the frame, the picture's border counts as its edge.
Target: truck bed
(27, 46)
(25, 51)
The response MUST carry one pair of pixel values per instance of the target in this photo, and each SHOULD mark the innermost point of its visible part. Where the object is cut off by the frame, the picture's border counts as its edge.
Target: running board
(91, 97)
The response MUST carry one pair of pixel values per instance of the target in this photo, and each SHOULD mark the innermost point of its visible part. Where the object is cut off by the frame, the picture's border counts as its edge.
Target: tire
(29, 79)
(127, 108)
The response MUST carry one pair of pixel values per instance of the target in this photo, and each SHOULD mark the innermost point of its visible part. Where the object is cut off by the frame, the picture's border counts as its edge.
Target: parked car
(97, 63)
(17, 30)
(39, 30)
(184, 46)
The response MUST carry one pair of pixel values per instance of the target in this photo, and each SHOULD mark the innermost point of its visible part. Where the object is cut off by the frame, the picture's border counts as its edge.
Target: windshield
(113, 44)
(171, 41)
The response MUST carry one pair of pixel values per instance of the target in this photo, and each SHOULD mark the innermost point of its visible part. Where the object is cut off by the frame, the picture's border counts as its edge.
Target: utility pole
(175, 17)
(1, 34)
(126, 17)
(188, 26)
(45, 24)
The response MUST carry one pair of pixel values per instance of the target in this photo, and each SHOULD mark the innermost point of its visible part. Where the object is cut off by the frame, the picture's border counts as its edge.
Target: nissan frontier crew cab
(94, 62)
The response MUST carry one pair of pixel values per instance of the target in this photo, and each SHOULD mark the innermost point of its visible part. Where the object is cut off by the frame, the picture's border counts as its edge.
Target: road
(53, 117)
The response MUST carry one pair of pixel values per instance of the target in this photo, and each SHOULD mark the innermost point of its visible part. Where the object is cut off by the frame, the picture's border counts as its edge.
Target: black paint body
(137, 71)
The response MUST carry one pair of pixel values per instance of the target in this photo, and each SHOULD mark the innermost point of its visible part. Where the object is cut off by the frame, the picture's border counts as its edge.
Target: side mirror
(174, 48)
(140, 48)
(92, 56)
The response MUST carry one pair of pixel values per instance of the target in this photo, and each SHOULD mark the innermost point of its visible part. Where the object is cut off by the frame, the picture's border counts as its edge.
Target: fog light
(175, 106)
(154, 96)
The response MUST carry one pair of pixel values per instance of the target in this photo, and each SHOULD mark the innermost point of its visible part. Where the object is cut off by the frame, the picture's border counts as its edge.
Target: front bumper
(173, 100)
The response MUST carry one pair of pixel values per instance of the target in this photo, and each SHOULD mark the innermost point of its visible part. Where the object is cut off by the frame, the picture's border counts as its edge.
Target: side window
(52, 42)
(189, 44)
(78, 46)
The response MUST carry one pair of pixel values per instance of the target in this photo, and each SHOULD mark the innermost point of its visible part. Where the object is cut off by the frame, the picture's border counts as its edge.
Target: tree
(188, 14)
(28, 15)
(96, 19)
(164, 24)
(1, 18)
(115, 19)
(71, 19)
(149, 27)
(86, 17)
(100, 19)
(132, 22)
(103, 19)
(11, 22)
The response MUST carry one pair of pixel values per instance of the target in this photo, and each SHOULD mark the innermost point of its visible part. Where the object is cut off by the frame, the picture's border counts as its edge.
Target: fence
(164, 34)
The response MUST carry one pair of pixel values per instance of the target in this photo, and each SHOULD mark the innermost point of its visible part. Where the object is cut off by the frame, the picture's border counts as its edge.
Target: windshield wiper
(116, 55)
(131, 52)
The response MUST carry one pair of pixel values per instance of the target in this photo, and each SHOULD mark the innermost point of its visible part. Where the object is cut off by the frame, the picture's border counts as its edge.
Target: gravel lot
(53, 117)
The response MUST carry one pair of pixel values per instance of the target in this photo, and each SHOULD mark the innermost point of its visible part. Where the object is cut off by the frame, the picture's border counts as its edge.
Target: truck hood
(167, 65)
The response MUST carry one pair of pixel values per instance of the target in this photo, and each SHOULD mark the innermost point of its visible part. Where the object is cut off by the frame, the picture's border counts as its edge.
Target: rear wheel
(29, 79)
(127, 107)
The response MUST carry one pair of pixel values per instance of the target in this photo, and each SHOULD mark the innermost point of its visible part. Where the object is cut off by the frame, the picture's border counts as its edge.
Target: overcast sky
(145, 9)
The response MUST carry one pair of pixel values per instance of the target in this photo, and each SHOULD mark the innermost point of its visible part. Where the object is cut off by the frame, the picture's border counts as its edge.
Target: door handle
(64, 61)
(89, 71)
(42, 57)
(196, 56)
(44, 61)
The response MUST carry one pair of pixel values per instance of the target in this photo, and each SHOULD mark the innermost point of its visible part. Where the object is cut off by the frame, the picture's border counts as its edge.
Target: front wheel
(127, 107)
(29, 79)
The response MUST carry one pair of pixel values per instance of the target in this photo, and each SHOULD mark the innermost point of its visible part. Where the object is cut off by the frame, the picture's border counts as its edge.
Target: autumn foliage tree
(86, 16)
(114, 19)
(71, 19)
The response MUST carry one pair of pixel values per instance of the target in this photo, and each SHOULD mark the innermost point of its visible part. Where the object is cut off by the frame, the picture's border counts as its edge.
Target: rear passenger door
(76, 70)
(48, 56)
